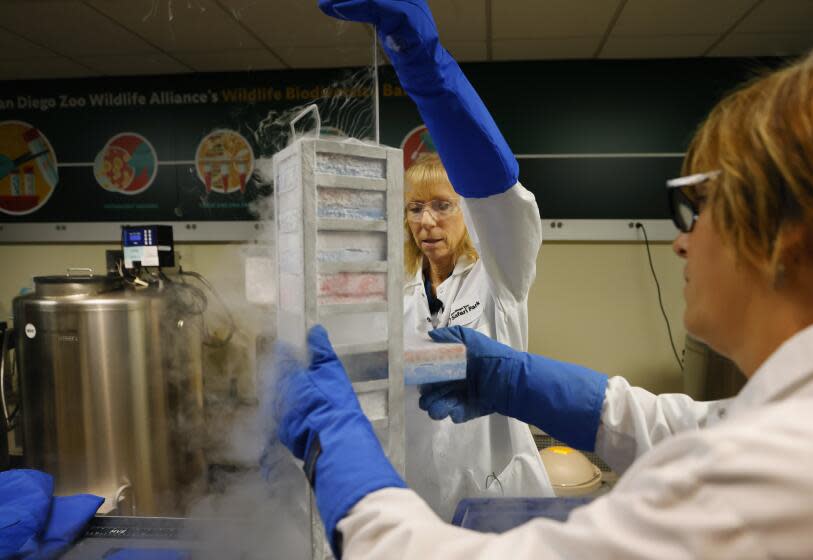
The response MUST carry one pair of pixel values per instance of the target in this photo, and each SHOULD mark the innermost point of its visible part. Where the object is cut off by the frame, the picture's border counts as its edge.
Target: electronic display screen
(134, 237)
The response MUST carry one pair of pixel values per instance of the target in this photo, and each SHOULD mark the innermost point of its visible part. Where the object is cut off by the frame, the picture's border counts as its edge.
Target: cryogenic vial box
(338, 209)
(339, 217)
(427, 361)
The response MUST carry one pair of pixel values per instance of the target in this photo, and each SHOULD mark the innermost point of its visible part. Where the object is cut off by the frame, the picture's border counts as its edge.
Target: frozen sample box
(339, 214)
(339, 219)
(426, 361)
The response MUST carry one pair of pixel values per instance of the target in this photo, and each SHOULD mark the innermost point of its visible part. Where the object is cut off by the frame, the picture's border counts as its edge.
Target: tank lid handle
(83, 272)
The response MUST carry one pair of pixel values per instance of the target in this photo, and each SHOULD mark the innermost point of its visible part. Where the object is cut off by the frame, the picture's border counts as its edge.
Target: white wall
(596, 304)
(592, 303)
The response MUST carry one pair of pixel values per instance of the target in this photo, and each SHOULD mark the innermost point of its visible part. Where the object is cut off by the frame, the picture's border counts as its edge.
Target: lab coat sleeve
(396, 524)
(633, 420)
(507, 231)
(694, 497)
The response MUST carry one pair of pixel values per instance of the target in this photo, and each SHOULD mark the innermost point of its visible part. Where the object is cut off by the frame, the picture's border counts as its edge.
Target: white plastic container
(427, 361)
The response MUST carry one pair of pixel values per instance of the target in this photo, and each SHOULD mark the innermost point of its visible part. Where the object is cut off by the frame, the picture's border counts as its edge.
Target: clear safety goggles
(439, 209)
(683, 209)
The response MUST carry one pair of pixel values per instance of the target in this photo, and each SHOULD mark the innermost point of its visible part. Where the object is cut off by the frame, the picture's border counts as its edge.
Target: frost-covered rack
(339, 220)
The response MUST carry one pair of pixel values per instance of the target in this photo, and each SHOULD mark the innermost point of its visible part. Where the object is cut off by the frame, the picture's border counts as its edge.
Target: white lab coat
(494, 455)
(740, 486)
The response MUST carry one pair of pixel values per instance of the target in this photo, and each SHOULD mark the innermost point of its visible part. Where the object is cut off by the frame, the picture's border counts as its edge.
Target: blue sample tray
(497, 515)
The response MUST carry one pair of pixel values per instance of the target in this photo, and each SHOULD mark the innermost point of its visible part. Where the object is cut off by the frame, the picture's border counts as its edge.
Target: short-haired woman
(729, 479)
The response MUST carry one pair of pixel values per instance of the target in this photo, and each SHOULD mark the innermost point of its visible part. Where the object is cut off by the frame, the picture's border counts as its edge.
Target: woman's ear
(793, 254)
(795, 242)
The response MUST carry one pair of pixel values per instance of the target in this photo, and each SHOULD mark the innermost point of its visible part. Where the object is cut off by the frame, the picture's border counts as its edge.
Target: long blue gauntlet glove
(474, 152)
(563, 399)
(33, 523)
(322, 423)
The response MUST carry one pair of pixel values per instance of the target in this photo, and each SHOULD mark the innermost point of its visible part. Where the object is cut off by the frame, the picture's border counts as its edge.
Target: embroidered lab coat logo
(463, 310)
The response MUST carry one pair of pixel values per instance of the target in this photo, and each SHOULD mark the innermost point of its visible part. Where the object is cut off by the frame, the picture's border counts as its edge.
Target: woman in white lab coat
(730, 479)
(477, 277)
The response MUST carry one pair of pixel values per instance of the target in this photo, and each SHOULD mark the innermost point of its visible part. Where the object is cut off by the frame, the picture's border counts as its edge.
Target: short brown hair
(761, 137)
(426, 172)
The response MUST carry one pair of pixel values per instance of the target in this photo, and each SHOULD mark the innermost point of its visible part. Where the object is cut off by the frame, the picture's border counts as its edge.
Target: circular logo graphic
(30, 330)
(224, 161)
(416, 142)
(127, 164)
(28, 168)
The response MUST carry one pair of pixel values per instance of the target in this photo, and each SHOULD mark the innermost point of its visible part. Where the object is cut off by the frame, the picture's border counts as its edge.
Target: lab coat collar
(784, 372)
(463, 264)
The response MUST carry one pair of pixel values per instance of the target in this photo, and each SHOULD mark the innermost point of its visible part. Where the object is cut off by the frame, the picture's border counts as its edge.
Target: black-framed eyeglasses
(683, 209)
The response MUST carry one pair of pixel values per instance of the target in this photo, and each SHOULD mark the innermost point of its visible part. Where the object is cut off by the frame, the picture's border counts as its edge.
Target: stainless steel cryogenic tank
(111, 391)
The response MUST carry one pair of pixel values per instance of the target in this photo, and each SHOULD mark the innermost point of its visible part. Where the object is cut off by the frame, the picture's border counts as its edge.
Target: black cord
(232, 325)
(12, 368)
(660, 299)
(493, 477)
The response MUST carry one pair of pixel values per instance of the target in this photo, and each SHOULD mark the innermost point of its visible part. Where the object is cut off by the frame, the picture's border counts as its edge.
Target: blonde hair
(419, 179)
(761, 137)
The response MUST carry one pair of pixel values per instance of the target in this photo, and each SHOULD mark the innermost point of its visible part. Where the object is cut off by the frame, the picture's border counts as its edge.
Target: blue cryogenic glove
(33, 524)
(474, 152)
(563, 399)
(323, 424)
(25, 502)
(69, 517)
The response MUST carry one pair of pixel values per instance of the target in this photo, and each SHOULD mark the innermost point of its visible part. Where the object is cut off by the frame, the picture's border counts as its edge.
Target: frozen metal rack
(339, 219)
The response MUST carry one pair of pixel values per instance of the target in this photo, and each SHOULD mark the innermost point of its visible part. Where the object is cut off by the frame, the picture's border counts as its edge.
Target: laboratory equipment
(167, 538)
(570, 472)
(426, 361)
(497, 515)
(339, 220)
(110, 390)
(4, 428)
(147, 246)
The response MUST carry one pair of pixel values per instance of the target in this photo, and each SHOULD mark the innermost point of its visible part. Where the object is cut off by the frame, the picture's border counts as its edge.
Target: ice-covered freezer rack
(339, 219)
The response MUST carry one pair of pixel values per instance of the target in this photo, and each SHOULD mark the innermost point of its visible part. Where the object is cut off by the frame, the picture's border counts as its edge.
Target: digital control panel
(147, 246)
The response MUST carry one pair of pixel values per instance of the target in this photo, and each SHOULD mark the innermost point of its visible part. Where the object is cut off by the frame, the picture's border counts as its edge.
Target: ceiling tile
(70, 28)
(679, 17)
(236, 60)
(35, 68)
(540, 49)
(467, 51)
(171, 25)
(14, 46)
(295, 23)
(460, 20)
(134, 65)
(660, 46)
(764, 44)
(528, 19)
(327, 57)
(779, 16)
(119, 37)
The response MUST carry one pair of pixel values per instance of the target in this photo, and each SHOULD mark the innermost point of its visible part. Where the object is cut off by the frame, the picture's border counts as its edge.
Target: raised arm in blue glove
(563, 399)
(474, 152)
(322, 424)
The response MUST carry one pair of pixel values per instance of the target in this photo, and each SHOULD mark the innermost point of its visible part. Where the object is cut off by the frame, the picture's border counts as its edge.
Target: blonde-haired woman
(478, 277)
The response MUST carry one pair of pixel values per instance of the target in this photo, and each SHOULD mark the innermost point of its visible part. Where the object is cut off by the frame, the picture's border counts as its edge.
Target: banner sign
(595, 139)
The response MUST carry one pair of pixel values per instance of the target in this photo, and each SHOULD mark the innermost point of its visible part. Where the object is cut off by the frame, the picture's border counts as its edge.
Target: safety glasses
(685, 210)
(438, 208)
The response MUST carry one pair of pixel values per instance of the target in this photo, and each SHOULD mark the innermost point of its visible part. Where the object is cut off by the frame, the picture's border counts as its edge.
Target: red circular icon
(416, 142)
